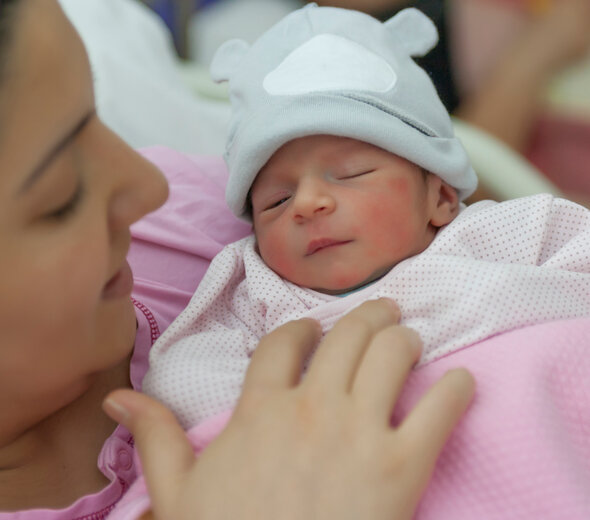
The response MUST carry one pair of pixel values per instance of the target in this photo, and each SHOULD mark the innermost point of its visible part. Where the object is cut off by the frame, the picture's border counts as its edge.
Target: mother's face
(69, 190)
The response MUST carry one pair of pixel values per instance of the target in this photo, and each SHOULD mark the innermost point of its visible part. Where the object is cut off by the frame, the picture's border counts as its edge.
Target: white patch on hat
(330, 62)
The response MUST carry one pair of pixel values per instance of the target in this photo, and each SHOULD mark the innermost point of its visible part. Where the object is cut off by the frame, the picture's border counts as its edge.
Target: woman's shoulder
(196, 207)
(172, 248)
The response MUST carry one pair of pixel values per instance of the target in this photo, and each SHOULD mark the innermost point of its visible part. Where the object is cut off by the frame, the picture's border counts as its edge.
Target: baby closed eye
(353, 174)
(277, 203)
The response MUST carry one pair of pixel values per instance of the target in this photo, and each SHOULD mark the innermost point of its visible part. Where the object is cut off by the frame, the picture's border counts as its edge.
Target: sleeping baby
(344, 159)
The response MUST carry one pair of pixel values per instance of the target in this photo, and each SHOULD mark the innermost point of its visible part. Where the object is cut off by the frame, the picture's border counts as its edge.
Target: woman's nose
(138, 186)
(313, 199)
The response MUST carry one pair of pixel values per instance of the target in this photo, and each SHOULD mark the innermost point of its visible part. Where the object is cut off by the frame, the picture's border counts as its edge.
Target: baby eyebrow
(38, 171)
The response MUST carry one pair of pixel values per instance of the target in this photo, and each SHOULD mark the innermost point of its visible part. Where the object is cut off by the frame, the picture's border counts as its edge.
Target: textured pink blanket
(523, 449)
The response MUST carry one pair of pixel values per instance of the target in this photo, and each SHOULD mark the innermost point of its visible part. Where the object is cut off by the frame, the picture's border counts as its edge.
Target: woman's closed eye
(69, 206)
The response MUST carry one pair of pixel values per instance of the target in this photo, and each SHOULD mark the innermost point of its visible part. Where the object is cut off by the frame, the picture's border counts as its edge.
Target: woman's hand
(321, 447)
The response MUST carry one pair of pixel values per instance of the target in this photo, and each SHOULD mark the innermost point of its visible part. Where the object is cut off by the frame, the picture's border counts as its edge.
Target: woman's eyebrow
(38, 171)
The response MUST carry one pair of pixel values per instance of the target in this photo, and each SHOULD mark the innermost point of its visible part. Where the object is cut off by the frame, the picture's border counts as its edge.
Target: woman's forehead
(47, 87)
(43, 48)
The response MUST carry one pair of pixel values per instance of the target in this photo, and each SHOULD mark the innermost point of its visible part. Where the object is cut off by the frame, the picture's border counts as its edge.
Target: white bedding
(140, 92)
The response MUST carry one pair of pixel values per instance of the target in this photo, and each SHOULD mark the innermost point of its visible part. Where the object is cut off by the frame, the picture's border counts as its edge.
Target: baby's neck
(55, 462)
(365, 283)
(349, 290)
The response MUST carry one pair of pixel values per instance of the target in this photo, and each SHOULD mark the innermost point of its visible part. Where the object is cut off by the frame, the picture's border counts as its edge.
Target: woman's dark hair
(8, 9)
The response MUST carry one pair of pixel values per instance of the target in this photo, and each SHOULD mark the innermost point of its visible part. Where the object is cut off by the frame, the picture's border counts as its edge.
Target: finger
(165, 453)
(384, 369)
(278, 360)
(337, 358)
(429, 425)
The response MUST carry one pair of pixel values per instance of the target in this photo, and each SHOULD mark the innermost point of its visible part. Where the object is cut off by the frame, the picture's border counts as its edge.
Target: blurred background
(200, 26)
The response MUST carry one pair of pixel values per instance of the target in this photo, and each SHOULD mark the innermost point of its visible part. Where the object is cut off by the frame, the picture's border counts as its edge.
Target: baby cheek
(276, 254)
(388, 230)
(381, 222)
(392, 240)
(394, 200)
(400, 187)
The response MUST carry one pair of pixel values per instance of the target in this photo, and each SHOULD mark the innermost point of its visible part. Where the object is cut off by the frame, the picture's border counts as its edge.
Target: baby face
(333, 214)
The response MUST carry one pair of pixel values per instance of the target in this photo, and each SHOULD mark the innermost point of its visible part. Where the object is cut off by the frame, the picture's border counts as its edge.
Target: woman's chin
(119, 330)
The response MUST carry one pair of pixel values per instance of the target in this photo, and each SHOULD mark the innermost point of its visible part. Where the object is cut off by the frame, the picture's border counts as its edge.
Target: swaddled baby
(344, 159)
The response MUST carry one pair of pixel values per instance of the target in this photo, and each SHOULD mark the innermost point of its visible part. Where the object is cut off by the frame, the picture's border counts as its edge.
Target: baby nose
(313, 201)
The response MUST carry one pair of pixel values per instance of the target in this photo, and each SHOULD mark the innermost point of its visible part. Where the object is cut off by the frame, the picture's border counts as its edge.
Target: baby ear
(414, 31)
(227, 58)
(446, 206)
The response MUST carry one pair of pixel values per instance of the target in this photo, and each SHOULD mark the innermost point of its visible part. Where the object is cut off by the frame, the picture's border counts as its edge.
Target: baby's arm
(198, 364)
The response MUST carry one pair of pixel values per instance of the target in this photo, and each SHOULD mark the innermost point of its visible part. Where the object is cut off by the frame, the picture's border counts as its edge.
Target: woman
(69, 192)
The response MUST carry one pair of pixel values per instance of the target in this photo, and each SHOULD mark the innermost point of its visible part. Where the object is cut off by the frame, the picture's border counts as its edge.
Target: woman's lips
(120, 284)
(323, 243)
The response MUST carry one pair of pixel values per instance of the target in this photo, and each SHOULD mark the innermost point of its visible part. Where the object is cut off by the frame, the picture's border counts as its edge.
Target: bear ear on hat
(227, 59)
(414, 31)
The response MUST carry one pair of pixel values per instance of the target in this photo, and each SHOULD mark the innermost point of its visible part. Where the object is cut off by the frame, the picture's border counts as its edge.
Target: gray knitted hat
(325, 70)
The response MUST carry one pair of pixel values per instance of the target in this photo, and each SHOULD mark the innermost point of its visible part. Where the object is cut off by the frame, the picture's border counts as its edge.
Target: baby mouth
(324, 243)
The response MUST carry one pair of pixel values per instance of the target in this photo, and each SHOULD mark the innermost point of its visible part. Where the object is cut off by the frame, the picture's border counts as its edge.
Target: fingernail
(392, 303)
(316, 324)
(415, 339)
(115, 410)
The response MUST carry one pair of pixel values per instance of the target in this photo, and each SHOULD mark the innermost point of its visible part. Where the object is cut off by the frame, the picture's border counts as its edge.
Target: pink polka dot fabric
(495, 268)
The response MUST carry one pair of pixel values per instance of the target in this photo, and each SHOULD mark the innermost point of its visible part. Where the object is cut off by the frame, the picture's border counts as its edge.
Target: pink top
(169, 255)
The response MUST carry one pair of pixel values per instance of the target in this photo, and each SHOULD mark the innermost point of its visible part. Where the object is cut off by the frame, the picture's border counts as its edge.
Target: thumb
(165, 453)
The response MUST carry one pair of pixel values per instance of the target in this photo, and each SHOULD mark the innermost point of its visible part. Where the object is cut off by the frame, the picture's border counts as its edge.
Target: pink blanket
(522, 450)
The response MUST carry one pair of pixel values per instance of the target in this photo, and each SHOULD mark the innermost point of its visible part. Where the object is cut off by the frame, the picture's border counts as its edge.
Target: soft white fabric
(140, 92)
(496, 267)
(222, 20)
